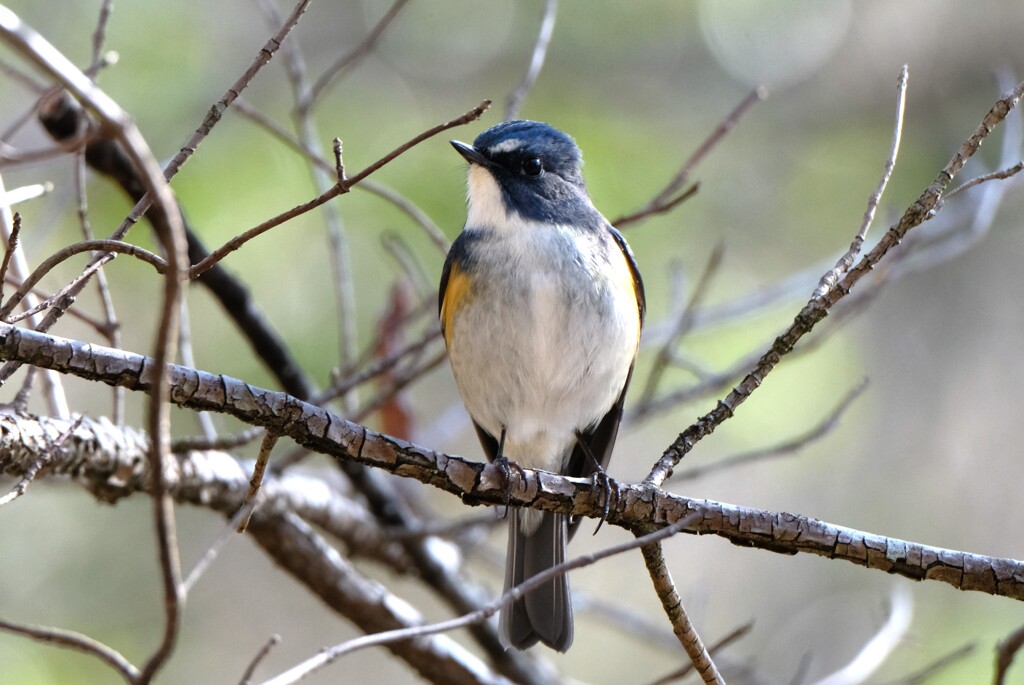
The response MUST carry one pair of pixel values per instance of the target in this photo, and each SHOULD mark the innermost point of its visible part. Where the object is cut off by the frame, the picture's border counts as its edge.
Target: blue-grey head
(525, 169)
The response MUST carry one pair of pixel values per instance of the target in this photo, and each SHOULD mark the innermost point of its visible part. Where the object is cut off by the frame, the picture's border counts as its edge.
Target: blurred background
(930, 452)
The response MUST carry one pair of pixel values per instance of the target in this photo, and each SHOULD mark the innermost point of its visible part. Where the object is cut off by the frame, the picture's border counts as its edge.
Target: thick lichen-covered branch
(638, 507)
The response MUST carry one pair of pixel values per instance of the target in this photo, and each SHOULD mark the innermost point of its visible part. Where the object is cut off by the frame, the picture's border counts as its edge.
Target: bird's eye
(532, 166)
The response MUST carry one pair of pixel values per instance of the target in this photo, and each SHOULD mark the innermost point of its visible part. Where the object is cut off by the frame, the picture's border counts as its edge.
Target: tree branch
(637, 507)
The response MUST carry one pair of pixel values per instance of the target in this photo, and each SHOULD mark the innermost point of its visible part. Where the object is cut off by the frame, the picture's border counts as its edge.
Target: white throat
(486, 207)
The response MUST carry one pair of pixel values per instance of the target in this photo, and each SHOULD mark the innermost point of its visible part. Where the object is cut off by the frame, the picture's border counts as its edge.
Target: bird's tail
(544, 613)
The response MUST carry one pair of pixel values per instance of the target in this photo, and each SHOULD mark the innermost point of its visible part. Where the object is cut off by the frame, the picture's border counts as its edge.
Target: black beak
(470, 153)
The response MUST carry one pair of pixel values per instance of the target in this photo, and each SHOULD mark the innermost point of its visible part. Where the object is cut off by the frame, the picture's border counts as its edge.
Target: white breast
(544, 344)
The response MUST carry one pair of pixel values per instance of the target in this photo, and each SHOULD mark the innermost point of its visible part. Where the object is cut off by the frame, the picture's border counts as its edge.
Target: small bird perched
(541, 306)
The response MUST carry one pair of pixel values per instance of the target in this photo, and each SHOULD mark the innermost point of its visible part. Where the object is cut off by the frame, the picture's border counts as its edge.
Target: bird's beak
(470, 153)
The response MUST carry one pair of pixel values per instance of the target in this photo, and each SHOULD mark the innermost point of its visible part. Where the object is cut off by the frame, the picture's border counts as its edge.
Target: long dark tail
(545, 613)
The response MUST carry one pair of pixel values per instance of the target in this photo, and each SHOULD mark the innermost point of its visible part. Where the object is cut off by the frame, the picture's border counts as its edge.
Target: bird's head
(524, 169)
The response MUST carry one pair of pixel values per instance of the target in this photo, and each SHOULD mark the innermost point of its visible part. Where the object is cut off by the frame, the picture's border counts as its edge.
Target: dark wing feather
(487, 441)
(446, 273)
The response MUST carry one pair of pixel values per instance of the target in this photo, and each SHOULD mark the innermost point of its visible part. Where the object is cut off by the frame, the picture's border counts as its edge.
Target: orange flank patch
(625, 282)
(454, 297)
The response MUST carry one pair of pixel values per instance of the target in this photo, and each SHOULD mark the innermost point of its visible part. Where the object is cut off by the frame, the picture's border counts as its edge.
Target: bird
(541, 307)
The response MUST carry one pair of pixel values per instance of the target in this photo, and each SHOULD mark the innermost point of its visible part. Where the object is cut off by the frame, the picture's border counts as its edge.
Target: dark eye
(532, 166)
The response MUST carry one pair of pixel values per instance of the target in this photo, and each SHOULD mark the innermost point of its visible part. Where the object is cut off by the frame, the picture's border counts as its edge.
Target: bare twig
(1006, 651)
(159, 263)
(665, 198)
(227, 534)
(26, 192)
(216, 112)
(327, 656)
(985, 178)
(220, 442)
(434, 233)
(721, 644)
(514, 101)
(846, 261)
(335, 191)
(346, 62)
(274, 641)
(29, 82)
(880, 646)
(99, 36)
(78, 642)
(9, 249)
(681, 325)
(339, 252)
(111, 328)
(681, 624)
(924, 675)
(20, 402)
(443, 528)
(249, 502)
(826, 426)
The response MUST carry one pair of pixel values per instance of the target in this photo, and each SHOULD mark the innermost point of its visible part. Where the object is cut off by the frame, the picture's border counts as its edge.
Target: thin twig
(346, 62)
(665, 197)
(846, 261)
(26, 192)
(791, 446)
(340, 254)
(924, 675)
(247, 674)
(434, 233)
(227, 534)
(218, 442)
(111, 328)
(412, 272)
(515, 99)
(30, 83)
(156, 261)
(331, 654)
(20, 401)
(721, 644)
(339, 161)
(398, 383)
(99, 36)
(442, 529)
(217, 111)
(880, 646)
(682, 626)
(994, 176)
(682, 324)
(10, 249)
(249, 501)
(78, 642)
(1006, 651)
(335, 191)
